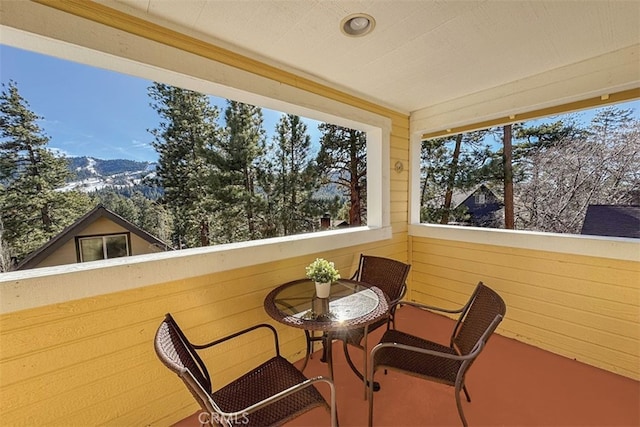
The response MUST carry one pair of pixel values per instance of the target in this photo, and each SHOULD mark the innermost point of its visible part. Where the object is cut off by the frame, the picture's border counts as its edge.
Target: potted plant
(323, 273)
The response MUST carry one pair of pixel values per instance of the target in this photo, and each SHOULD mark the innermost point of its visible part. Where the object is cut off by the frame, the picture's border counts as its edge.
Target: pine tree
(31, 208)
(294, 180)
(450, 164)
(186, 141)
(434, 170)
(6, 255)
(243, 143)
(343, 161)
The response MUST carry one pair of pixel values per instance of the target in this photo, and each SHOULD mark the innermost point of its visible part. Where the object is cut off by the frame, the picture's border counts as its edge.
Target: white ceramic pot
(323, 289)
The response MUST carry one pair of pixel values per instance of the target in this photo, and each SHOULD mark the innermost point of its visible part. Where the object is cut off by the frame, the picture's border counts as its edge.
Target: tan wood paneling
(582, 307)
(82, 355)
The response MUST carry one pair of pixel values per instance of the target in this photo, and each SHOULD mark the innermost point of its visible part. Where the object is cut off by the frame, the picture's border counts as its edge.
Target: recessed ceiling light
(357, 25)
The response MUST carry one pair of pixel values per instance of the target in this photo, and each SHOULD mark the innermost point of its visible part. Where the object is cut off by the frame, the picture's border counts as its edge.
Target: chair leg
(370, 396)
(309, 344)
(459, 405)
(466, 393)
(345, 346)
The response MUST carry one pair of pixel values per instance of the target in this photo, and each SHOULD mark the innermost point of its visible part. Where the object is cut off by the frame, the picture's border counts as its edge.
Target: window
(277, 173)
(559, 166)
(197, 73)
(95, 248)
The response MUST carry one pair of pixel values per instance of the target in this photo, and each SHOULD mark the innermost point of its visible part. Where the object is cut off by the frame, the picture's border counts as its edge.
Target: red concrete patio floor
(511, 384)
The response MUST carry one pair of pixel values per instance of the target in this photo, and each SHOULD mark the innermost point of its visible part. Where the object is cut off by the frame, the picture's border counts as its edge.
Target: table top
(350, 305)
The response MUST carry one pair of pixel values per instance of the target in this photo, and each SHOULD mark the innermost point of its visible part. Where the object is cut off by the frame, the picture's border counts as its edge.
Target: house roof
(35, 257)
(459, 197)
(612, 220)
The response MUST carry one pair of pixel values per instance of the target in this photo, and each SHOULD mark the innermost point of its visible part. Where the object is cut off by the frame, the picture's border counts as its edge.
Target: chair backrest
(385, 273)
(480, 317)
(178, 354)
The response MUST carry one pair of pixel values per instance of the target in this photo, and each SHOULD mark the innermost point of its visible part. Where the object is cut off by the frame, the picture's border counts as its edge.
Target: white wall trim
(625, 249)
(21, 290)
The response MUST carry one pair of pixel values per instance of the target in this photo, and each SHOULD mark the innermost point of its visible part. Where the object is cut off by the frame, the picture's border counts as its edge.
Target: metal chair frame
(459, 350)
(177, 353)
(354, 338)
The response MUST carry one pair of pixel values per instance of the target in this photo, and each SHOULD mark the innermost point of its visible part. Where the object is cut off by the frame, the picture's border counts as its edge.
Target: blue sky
(93, 112)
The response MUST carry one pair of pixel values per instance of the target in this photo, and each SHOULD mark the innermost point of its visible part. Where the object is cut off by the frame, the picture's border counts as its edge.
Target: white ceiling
(421, 52)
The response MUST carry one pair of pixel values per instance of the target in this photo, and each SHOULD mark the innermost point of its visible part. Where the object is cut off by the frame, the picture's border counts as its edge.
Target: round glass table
(350, 305)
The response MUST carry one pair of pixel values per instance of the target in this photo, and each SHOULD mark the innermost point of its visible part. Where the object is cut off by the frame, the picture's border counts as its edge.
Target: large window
(323, 172)
(94, 248)
(539, 175)
(201, 170)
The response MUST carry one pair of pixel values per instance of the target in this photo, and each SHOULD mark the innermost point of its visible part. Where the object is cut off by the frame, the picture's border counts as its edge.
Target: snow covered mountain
(91, 174)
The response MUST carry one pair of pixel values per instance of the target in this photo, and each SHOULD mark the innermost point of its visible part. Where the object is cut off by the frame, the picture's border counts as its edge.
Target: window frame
(79, 239)
(618, 248)
(124, 52)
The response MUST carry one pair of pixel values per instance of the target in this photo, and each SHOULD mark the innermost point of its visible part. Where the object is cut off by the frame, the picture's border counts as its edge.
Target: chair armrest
(382, 345)
(242, 332)
(429, 307)
(399, 299)
(284, 393)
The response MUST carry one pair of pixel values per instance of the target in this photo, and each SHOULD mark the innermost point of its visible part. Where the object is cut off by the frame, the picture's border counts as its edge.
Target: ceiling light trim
(357, 25)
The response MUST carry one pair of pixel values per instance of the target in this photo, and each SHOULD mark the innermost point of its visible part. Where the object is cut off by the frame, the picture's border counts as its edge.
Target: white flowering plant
(322, 271)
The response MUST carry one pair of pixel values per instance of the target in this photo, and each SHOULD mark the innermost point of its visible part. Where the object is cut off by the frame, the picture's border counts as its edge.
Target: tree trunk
(508, 179)
(355, 209)
(204, 233)
(451, 180)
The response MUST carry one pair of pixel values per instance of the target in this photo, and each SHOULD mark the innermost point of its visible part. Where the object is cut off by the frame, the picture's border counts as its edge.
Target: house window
(481, 199)
(95, 248)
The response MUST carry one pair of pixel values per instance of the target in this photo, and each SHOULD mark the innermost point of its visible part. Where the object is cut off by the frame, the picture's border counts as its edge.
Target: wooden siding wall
(92, 361)
(585, 308)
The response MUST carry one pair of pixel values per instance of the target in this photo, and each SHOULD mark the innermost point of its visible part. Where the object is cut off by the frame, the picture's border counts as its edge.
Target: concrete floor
(511, 384)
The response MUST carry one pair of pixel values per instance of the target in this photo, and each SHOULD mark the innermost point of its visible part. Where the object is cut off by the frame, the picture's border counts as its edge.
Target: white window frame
(104, 237)
(619, 248)
(126, 53)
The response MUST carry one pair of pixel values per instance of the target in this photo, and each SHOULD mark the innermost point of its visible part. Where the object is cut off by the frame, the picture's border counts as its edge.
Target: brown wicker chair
(390, 277)
(435, 362)
(271, 394)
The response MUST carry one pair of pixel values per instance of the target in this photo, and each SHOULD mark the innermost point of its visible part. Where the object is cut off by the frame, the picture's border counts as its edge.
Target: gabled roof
(35, 257)
(612, 220)
(459, 197)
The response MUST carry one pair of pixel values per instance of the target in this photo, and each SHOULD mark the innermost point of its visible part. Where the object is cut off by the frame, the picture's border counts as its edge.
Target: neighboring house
(99, 234)
(483, 205)
(612, 220)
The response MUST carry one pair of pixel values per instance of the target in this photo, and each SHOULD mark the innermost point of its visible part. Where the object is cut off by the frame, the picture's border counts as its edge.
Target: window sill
(20, 290)
(619, 248)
